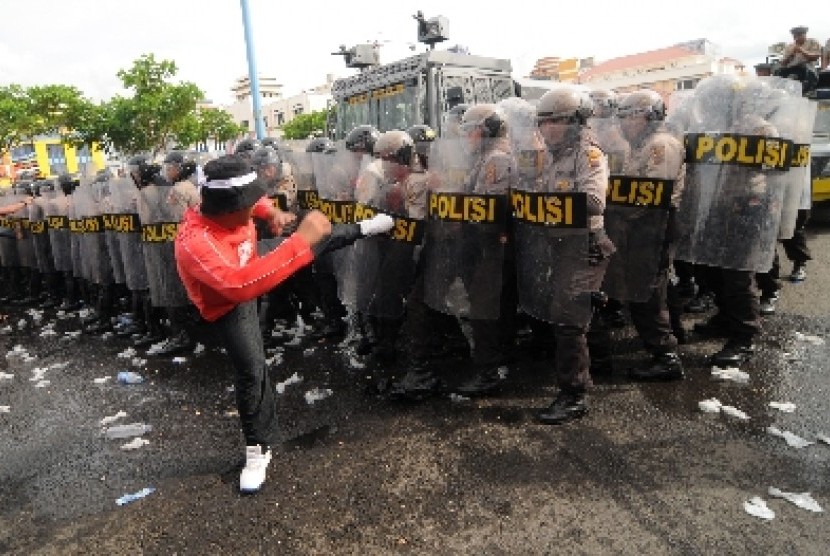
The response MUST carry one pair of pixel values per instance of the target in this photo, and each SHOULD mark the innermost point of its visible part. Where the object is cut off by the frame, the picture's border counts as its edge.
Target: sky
(85, 42)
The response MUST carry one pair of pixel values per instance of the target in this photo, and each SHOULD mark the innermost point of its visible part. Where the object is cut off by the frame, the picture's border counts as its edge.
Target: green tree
(304, 126)
(158, 110)
(218, 125)
(15, 124)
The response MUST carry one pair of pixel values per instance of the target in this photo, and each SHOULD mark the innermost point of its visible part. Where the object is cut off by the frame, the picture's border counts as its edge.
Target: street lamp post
(252, 73)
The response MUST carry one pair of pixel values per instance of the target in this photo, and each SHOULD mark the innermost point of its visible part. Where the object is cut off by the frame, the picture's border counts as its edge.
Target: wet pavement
(645, 472)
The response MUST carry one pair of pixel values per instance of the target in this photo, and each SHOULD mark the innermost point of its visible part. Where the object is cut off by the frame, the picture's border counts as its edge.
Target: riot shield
(611, 141)
(76, 236)
(101, 271)
(25, 244)
(736, 172)
(107, 217)
(526, 142)
(636, 217)
(800, 130)
(8, 242)
(159, 224)
(127, 230)
(87, 226)
(335, 176)
(56, 210)
(466, 235)
(40, 235)
(303, 172)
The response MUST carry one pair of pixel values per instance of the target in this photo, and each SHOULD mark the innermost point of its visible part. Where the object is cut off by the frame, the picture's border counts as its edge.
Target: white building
(277, 110)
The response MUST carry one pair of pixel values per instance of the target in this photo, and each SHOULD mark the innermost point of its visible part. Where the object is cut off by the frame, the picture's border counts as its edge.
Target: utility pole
(252, 73)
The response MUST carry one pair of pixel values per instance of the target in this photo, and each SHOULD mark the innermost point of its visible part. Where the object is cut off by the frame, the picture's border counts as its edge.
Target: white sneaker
(256, 463)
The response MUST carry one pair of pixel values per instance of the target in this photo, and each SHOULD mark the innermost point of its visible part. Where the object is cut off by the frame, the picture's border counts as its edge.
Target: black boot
(734, 354)
(416, 385)
(567, 406)
(712, 328)
(485, 382)
(664, 367)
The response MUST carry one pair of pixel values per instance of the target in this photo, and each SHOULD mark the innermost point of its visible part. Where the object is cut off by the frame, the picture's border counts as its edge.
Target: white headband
(236, 181)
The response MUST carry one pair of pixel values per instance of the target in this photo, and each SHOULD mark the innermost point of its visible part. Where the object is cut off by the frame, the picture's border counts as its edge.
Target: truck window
(399, 110)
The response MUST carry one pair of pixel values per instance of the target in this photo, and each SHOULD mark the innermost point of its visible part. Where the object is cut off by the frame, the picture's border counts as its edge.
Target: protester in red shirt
(217, 260)
(216, 256)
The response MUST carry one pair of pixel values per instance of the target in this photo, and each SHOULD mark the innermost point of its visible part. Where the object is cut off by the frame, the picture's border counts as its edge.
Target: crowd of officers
(548, 218)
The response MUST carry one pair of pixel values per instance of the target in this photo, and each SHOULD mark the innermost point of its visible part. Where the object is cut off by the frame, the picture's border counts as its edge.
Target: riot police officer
(574, 163)
(643, 232)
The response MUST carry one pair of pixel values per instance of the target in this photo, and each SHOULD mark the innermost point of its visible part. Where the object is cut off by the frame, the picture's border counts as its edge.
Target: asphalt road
(646, 472)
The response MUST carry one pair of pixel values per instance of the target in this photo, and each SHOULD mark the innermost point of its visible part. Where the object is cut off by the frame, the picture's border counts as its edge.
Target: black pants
(255, 398)
(737, 301)
(770, 282)
(796, 247)
(651, 319)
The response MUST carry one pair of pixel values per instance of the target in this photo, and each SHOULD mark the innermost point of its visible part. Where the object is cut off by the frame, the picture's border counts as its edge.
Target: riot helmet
(321, 145)
(103, 176)
(362, 139)
(268, 164)
(422, 136)
(564, 105)
(270, 142)
(395, 149)
(68, 183)
(604, 102)
(713, 102)
(485, 117)
(178, 166)
(644, 102)
(246, 146)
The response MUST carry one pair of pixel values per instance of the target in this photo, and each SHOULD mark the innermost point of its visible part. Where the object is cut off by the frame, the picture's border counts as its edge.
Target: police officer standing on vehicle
(574, 162)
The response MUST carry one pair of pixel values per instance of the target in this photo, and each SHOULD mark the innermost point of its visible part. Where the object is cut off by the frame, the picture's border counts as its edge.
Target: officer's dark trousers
(651, 319)
(255, 398)
(796, 247)
(737, 302)
(492, 339)
(326, 283)
(769, 282)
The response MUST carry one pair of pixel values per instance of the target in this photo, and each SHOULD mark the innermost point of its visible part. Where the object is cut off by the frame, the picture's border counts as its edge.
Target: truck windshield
(399, 110)
(386, 109)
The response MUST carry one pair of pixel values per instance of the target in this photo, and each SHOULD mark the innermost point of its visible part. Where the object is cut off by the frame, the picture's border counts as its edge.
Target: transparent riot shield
(76, 235)
(303, 172)
(126, 227)
(107, 210)
(95, 235)
(739, 175)
(636, 216)
(159, 224)
(8, 242)
(25, 244)
(335, 176)
(57, 221)
(40, 234)
(465, 238)
(798, 123)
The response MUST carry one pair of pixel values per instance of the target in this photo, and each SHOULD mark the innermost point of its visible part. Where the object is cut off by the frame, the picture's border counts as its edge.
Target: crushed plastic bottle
(179, 360)
(127, 498)
(801, 499)
(5, 408)
(127, 353)
(127, 431)
(6, 376)
(200, 348)
(757, 507)
(809, 338)
(112, 418)
(785, 407)
(793, 440)
(101, 380)
(134, 444)
(730, 373)
(711, 405)
(734, 412)
(293, 379)
(130, 377)
(316, 394)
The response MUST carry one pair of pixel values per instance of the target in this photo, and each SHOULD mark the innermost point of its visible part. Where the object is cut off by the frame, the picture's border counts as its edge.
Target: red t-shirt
(220, 268)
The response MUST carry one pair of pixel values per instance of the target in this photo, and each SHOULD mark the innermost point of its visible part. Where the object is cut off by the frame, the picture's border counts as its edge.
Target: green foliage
(304, 126)
(158, 111)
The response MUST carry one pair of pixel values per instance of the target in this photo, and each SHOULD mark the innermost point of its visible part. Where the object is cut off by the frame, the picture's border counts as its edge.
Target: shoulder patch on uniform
(490, 173)
(658, 154)
(594, 156)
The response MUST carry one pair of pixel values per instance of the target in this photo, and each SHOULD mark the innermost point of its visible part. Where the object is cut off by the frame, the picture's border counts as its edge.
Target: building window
(686, 84)
(298, 110)
(280, 118)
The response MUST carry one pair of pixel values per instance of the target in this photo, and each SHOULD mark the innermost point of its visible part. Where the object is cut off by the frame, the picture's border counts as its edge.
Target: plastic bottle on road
(130, 377)
(128, 431)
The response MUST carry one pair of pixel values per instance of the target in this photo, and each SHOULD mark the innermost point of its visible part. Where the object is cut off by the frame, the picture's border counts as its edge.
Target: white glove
(378, 224)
